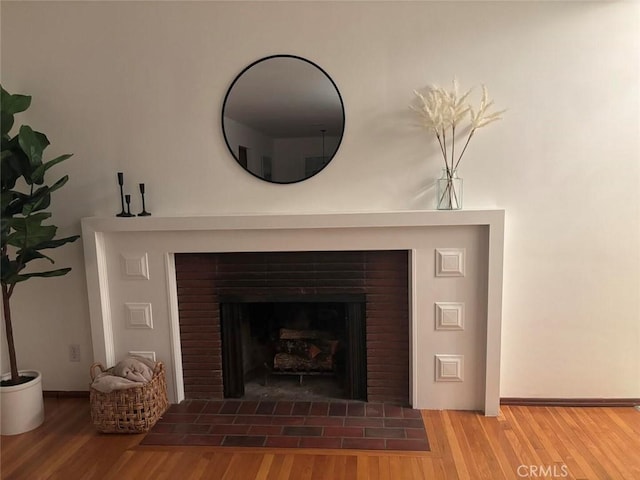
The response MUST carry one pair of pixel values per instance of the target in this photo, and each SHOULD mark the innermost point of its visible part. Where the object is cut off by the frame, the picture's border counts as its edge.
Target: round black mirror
(283, 118)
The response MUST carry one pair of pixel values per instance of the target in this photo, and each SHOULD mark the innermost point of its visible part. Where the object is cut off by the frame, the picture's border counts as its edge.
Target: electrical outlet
(74, 353)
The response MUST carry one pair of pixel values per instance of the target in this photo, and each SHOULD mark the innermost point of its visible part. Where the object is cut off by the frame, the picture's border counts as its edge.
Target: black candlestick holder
(144, 212)
(121, 183)
(127, 199)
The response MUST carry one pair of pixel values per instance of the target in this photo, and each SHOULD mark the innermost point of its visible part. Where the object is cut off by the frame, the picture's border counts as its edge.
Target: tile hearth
(291, 424)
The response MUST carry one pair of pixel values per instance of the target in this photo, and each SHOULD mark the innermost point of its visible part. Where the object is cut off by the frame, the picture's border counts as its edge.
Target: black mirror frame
(235, 80)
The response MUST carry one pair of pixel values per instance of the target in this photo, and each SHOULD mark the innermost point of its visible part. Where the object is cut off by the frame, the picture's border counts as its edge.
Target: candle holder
(144, 212)
(127, 199)
(121, 183)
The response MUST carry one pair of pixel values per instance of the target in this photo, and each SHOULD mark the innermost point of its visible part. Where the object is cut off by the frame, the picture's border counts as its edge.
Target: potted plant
(25, 197)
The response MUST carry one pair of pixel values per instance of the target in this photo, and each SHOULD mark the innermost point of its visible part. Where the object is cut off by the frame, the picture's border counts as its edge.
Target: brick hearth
(281, 424)
(202, 278)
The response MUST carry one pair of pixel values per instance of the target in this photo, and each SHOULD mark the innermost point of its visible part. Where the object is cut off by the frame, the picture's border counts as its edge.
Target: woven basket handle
(158, 369)
(92, 370)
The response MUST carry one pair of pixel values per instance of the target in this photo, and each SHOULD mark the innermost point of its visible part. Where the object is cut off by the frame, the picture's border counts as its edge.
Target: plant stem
(444, 193)
(6, 294)
(440, 143)
(449, 195)
(465, 147)
(453, 146)
(444, 141)
(455, 195)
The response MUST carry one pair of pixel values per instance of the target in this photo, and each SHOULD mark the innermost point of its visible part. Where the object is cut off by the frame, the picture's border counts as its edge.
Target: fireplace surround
(454, 283)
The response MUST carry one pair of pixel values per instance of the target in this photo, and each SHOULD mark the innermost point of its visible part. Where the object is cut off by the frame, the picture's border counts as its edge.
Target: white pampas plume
(442, 110)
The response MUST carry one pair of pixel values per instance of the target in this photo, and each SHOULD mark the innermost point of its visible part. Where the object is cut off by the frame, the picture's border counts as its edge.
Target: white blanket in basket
(128, 373)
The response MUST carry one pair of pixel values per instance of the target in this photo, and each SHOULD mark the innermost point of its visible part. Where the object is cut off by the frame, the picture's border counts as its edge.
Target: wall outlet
(74, 353)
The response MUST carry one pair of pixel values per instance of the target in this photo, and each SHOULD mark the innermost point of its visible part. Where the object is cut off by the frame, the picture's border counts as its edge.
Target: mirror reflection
(283, 119)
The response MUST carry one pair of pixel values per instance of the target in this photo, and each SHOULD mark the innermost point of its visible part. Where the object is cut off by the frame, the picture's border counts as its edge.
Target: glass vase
(449, 191)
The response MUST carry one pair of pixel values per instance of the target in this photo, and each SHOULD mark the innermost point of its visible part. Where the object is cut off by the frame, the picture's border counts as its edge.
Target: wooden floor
(523, 442)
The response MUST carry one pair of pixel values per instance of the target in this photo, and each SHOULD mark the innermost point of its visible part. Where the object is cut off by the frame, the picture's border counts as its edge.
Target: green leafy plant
(25, 197)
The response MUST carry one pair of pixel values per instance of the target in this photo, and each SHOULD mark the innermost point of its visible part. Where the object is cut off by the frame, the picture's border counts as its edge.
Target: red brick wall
(381, 275)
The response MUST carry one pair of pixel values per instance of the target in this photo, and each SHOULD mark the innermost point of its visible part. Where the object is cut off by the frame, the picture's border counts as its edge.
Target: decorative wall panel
(450, 262)
(135, 265)
(149, 355)
(449, 316)
(139, 315)
(449, 368)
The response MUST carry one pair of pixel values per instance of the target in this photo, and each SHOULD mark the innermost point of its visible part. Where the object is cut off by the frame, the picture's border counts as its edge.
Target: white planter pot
(21, 406)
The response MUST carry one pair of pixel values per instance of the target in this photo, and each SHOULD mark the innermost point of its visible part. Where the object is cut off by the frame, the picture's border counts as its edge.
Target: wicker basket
(133, 410)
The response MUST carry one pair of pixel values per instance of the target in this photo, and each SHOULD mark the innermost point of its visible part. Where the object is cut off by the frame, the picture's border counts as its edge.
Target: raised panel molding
(144, 354)
(449, 316)
(139, 315)
(135, 265)
(450, 262)
(449, 368)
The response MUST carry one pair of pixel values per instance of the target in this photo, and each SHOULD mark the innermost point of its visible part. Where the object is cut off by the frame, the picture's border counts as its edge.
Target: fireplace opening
(374, 285)
(302, 347)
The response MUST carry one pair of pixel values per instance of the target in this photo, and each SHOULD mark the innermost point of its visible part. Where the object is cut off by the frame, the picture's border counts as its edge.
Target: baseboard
(572, 402)
(65, 394)
(541, 402)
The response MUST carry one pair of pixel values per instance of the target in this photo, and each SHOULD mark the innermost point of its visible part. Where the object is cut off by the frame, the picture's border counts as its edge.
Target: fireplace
(153, 290)
(257, 317)
(303, 347)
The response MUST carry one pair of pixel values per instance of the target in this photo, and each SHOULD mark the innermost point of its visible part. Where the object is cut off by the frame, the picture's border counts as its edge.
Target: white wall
(138, 87)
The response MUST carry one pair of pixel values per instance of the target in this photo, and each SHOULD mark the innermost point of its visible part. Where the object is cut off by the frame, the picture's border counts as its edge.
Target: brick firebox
(382, 276)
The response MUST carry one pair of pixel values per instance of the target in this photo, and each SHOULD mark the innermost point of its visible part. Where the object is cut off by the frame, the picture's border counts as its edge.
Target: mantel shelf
(412, 218)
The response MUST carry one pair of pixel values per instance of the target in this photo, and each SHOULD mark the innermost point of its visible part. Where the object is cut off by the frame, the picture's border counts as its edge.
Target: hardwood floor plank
(285, 468)
(430, 468)
(596, 453)
(578, 442)
(302, 467)
(576, 448)
(561, 442)
(455, 449)
(384, 468)
(351, 467)
(606, 453)
(162, 464)
(274, 468)
(578, 467)
(439, 440)
(362, 469)
(487, 463)
(242, 467)
(470, 471)
(374, 467)
(221, 464)
(627, 432)
(265, 466)
(517, 436)
(395, 468)
(494, 432)
(340, 467)
(417, 471)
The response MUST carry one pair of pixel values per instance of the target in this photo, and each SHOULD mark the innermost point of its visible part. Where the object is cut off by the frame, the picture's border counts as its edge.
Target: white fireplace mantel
(454, 363)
